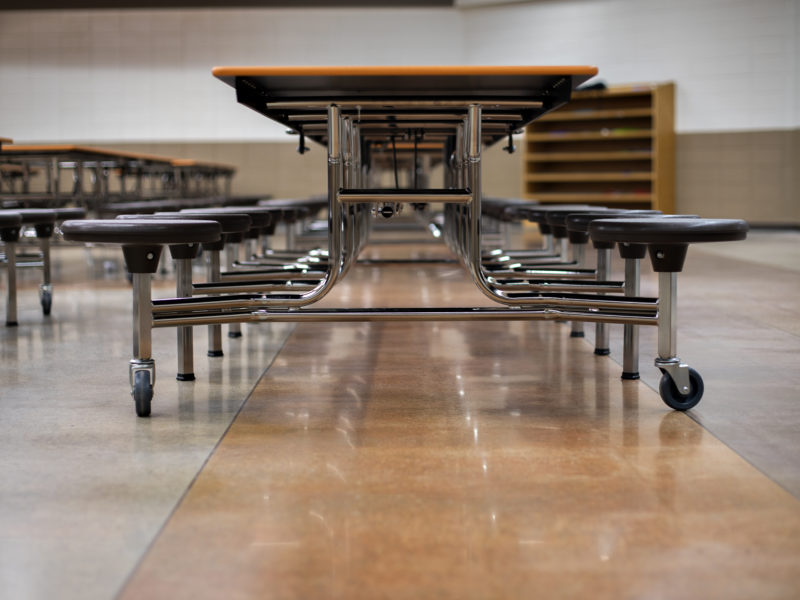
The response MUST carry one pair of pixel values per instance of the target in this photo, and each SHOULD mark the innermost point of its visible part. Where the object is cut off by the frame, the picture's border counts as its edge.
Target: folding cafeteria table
(167, 176)
(356, 113)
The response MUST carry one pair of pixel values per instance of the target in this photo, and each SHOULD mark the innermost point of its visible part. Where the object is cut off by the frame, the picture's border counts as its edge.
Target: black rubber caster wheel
(47, 302)
(142, 393)
(674, 399)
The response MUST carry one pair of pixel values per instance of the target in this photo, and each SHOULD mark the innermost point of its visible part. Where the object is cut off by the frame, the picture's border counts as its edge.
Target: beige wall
(749, 175)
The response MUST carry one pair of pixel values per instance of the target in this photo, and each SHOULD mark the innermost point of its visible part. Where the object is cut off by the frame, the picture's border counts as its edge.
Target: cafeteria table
(151, 174)
(356, 113)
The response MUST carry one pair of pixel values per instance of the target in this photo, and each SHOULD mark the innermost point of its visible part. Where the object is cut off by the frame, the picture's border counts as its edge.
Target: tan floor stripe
(467, 460)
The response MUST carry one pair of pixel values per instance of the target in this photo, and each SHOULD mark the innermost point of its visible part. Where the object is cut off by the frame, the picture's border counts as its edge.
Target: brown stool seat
(538, 214)
(10, 218)
(36, 216)
(556, 218)
(577, 224)
(680, 230)
(66, 213)
(139, 207)
(260, 216)
(134, 232)
(293, 209)
(228, 222)
(667, 238)
(505, 209)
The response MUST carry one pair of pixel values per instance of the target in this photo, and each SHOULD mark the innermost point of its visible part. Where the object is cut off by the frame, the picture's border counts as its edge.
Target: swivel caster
(673, 398)
(46, 299)
(142, 392)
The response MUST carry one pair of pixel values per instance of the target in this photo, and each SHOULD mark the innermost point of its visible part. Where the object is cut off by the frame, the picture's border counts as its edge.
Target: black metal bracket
(301, 147)
(511, 147)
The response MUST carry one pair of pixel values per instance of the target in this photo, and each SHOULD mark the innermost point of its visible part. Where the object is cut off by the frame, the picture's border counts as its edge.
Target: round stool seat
(557, 217)
(260, 216)
(293, 209)
(580, 221)
(538, 214)
(577, 224)
(234, 224)
(37, 216)
(678, 230)
(134, 232)
(10, 218)
(139, 207)
(10, 223)
(65, 213)
(504, 209)
(229, 222)
(667, 238)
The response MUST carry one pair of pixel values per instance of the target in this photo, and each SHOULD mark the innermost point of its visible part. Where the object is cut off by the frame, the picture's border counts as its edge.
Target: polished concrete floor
(406, 460)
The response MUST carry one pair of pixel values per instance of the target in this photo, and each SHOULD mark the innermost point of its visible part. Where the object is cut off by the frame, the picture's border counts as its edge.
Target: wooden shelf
(592, 115)
(622, 155)
(613, 147)
(604, 134)
(613, 176)
(597, 198)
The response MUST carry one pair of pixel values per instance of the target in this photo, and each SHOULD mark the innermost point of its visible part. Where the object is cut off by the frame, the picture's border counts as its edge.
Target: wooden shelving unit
(614, 147)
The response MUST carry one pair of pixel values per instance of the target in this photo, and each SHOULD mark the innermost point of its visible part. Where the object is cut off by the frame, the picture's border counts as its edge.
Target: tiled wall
(143, 77)
(736, 63)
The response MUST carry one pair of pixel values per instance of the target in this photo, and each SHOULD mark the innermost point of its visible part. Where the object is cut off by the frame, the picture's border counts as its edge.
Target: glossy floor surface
(408, 460)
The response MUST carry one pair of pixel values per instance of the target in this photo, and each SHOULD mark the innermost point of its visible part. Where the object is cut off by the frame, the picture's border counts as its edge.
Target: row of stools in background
(245, 238)
(565, 234)
(242, 268)
(550, 282)
(242, 263)
(15, 253)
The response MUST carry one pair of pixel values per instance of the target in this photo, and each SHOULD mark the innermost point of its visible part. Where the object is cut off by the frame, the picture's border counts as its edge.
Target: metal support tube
(668, 360)
(667, 316)
(579, 254)
(630, 348)
(472, 212)
(44, 244)
(564, 250)
(142, 317)
(183, 275)
(403, 314)
(231, 255)
(354, 196)
(603, 274)
(46, 287)
(214, 331)
(142, 330)
(11, 275)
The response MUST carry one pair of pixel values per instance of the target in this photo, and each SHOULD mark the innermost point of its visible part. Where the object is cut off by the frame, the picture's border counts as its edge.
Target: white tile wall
(735, 62)
(145, 75)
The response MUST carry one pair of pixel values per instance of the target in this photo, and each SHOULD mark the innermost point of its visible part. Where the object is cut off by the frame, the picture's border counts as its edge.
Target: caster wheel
(47, 302)
(674, 399)
(142, 393)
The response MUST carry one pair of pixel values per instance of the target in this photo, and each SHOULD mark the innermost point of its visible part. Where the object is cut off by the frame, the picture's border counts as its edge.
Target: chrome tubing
(601, 329)
(404, 314)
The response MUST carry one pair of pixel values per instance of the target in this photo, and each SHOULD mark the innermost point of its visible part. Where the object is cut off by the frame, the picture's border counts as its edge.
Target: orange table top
(403, 71)
(97, 153)
(190, 162)
(89, 151)
(298, 96)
